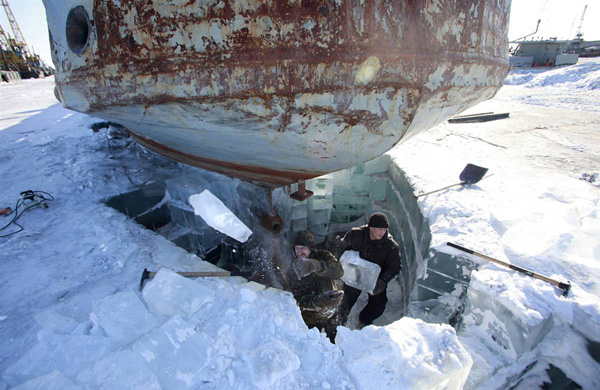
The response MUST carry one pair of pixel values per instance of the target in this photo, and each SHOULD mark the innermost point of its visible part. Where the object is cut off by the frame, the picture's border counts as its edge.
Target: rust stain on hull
(264, 176)
(314, 85)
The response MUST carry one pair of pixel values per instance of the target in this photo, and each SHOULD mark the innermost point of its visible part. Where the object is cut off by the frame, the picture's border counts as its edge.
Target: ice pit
(431, 286)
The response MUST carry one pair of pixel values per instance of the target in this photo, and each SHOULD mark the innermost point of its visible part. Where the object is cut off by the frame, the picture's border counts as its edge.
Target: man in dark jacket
(314, 279)
(375, 244)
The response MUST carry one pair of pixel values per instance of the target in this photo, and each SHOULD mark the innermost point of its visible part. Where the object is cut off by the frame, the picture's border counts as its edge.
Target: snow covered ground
(71, 316)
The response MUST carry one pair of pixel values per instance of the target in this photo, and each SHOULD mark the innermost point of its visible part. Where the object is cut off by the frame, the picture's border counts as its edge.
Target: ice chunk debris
(172, 294)
(407, 354)
(57, 352)
(359, 273)
(248, 295)
(125, 370)
(218, 216)
(271, 362)
(177, 354)
(123, 317)
(53, 381)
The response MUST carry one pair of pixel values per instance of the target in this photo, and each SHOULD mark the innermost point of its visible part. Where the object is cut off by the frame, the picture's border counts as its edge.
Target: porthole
(78, 29)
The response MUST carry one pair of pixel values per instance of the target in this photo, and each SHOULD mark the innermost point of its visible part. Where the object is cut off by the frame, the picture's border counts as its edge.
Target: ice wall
(441, 292)
(347, 198)
(521, 331)
(165, 208)
(341, 201)
(246, 201)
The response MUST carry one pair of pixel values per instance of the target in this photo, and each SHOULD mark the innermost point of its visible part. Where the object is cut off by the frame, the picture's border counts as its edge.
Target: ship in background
(552, 52)
(276, 92)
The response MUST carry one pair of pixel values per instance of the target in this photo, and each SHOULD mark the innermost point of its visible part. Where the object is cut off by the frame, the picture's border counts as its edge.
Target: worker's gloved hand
(331, 298)
(304, 267)
(380, 287)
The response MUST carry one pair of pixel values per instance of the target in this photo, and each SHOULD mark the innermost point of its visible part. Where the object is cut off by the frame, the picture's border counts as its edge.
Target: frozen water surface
(124, 370)
(123, 317)
(53, 381)
(177, 354)
(67, 354)
(171, 294)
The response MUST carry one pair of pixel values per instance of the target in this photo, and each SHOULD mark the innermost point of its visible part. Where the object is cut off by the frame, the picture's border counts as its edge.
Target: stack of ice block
(314, 213)
(320, 204)
(359, 273)
(350, 194)
(299, 215)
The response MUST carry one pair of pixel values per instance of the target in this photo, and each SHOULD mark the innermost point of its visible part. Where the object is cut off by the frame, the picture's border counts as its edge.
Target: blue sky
(560, 18)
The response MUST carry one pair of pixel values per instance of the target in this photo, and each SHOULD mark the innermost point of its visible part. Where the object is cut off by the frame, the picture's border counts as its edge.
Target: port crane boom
(579, 33)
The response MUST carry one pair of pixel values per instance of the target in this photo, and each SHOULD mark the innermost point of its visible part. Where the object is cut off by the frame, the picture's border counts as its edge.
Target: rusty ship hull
(276, 91)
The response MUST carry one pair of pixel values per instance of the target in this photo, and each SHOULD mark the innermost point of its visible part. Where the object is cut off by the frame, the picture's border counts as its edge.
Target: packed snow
(72, 316)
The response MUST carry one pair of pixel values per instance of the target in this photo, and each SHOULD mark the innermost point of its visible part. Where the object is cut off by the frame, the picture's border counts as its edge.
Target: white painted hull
(321, 94)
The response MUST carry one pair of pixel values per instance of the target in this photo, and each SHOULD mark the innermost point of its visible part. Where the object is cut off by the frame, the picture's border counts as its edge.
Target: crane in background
(579, 34)
(9, 70)
(15, 52)
(19, 39)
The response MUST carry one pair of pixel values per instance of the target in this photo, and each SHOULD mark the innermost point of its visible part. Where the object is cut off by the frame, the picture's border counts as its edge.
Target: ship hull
(277, 91)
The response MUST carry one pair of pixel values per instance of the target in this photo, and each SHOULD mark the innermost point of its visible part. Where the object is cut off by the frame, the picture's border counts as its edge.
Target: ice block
(218, 216)
(359, 273)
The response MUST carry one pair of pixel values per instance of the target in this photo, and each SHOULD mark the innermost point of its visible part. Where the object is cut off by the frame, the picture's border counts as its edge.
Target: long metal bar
(565, 287)
(189, 274)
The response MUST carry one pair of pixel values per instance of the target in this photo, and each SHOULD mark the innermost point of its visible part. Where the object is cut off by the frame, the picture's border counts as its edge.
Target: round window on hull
(78, 30)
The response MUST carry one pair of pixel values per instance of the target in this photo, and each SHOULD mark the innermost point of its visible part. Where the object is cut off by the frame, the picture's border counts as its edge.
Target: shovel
(470, 175)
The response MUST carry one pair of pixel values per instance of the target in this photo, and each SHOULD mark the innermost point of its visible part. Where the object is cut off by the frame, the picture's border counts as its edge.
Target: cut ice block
(322, 229)
(299, 224)
(177, 354)
(513, 333)
(172, 294)
(187, 218)
(123, 317)
(379, 165)
(359, 273)
(181, 188)
(68, 354)
(56, 323)
(353, 185)
(299, 211)
(218, 216)
(53, 381)
(377, 189)
(319, 216)
(124, 370)
(345, 202)
(320, 202)
(321, 185)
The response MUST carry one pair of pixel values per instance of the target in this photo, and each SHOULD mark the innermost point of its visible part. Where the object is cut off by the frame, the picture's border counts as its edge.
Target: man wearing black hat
(375, 244)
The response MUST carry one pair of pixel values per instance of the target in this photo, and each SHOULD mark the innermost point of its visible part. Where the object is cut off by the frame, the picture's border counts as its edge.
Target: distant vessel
(276, 92)
(545, 52)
